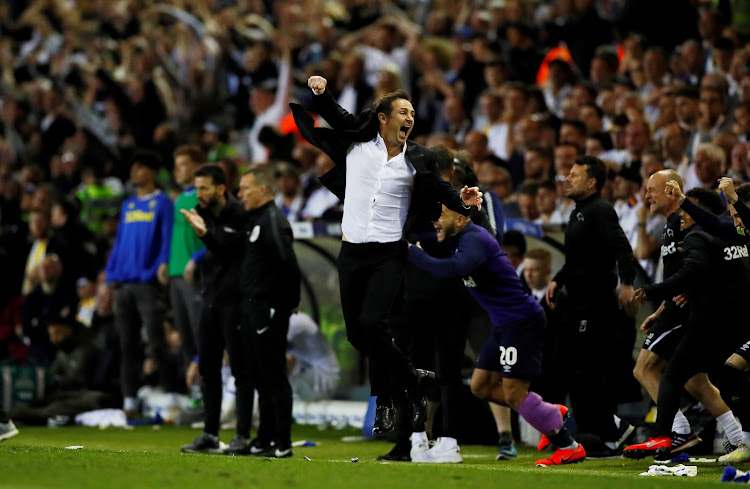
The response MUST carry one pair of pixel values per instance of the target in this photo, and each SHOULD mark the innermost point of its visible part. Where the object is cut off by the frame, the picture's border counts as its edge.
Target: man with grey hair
(708, 166)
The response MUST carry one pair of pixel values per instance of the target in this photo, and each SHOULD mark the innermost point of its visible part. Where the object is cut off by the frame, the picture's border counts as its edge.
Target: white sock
(680, 425)
(617, 420)
(129, 404)
(419, 437)
(572, 446)
(731, 427)
(746, 438)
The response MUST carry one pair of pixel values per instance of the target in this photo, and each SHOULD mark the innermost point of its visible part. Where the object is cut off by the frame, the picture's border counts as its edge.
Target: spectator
(289, 195)
(98, 200)
(184, 244)
(145, 224)
(709, 166)
(311, 362)
(50, 297)
(71, 376)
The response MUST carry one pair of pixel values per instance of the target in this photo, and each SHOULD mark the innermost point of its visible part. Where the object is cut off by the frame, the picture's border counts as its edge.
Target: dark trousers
(438, 344)
(699, 351)
(370, 275)
(186, 310)
(136, 305)
(264, 333)
(592, 387)
(220, 330)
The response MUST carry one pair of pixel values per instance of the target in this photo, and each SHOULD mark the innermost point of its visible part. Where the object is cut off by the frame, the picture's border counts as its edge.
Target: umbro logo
(579, 216)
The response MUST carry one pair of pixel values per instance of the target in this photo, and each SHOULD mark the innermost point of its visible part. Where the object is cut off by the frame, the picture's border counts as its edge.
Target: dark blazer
(430, 190)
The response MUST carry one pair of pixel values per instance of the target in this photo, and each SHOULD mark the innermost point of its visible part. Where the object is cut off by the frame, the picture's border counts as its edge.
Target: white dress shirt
(378, 193)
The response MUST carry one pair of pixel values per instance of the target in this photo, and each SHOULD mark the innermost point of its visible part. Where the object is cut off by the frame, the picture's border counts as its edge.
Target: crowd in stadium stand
(513, 90)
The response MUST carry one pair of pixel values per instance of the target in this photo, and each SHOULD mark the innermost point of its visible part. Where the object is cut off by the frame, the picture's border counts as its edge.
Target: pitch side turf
(147, 458)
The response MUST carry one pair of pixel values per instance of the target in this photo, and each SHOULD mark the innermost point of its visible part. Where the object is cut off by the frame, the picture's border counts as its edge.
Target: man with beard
(512, 356)
(219, 221)
(594, 243)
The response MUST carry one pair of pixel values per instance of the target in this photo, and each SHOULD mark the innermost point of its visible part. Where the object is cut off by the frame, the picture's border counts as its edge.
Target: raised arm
(324, 104)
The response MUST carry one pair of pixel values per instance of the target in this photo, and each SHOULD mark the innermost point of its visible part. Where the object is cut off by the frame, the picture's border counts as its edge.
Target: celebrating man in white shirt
(386, 184)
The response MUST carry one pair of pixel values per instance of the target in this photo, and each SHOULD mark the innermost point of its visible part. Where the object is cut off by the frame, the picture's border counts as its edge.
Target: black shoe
(384, 416)
(281, 451)
(204, 443)
(603, 453)
(419, 401)
(683, 442)
(273, 450)
(624, 432)
(397, 454)
(260, 448)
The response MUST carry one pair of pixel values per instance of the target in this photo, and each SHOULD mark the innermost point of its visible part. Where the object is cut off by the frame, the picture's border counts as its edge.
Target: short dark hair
(385, 103)
(596, 108)
(149, 159)
(708, 199)
(580, 126)
(687, 92)
(541, 150)
(443, 158)
(743, 192)
(516, 239)
(604, 139)
(576, 147)
(213, 171)
(529, 189)
(595, 169)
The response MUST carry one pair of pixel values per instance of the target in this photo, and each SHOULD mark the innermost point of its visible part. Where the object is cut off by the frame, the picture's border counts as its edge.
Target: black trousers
(370, 275)
(219, 329)
(438, 343)
(3, 414)
(263, 332)
(592, 387)
(138, 304)
(704, 348)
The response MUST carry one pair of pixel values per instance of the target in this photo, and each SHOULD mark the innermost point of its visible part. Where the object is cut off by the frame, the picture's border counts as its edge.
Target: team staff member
(219, 221)
(594, 243)
(715, 272)
(512, 356)
(270, 288)
(386, 182)
(666, 327)
(141, 246)
(735, 383)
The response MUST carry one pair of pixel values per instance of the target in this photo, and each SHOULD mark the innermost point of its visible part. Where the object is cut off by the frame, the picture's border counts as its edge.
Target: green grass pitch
(150, 458)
